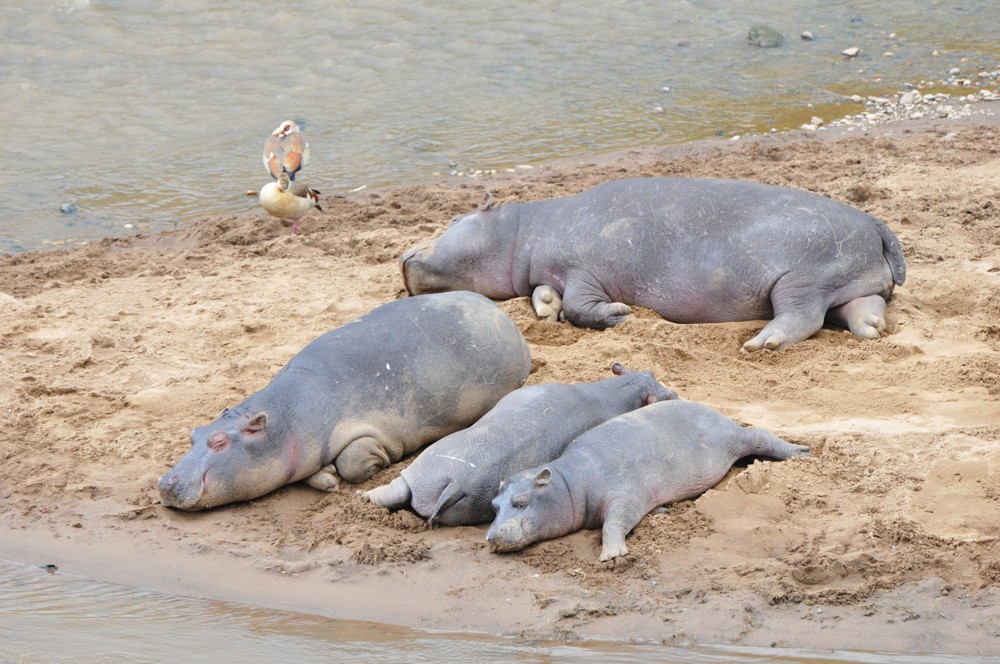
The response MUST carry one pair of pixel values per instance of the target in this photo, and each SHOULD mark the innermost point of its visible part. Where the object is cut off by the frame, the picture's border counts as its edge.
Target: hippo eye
(520, 501)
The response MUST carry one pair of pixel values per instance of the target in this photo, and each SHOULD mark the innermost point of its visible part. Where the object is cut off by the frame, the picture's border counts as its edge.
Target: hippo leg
(585, 304)
(394, 495)
(547, 304)
(798, 314)
(361, 459)
(621, 518)
(325, 480)
(864, 316)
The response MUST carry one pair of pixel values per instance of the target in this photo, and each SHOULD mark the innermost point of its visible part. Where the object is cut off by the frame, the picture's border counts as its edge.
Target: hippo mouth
(507, 536)
(175, 492)
(403, 267)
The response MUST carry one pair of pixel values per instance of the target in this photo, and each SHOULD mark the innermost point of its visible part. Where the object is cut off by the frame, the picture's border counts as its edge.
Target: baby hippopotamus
(356, 399)
(453, 482)
(617, 472)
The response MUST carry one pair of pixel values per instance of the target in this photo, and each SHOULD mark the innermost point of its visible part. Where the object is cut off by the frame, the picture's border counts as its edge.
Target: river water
(143, 114)
(54, 617)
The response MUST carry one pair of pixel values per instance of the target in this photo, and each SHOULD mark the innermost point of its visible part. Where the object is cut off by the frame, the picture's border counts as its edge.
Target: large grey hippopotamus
(693, 250)
(453, 481)
(617, 472)
(356, 399)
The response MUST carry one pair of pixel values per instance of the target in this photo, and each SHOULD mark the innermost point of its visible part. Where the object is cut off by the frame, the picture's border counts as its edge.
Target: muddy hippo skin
(617, 472)
(453, 482)
(693, 250)
(356, 399)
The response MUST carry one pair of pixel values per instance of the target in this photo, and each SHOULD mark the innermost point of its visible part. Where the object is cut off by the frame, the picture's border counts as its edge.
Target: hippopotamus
(454, 480)
(356, 399)
(619, 471)
(692, 250)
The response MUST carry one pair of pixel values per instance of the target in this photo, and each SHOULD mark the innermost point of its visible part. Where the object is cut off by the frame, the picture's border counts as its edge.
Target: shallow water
(141, 115)
(55, 617)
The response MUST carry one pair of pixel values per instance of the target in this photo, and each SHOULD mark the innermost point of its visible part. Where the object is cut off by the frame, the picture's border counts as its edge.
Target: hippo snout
(507, 536)
(403, 264)
(176, 492)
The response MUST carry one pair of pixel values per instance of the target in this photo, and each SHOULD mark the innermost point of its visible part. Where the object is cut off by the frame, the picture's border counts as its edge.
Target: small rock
(664, 89)
(954, 71)
(765, 36)
(807, 36)
(68, 208)
(851, 52)
(816, 121)
(909, 98)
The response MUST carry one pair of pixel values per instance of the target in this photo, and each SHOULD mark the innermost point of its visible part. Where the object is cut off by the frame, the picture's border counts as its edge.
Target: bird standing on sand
(286, 150)
(288, 200)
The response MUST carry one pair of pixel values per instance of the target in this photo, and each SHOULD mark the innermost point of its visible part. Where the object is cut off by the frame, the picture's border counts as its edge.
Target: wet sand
(884, 540)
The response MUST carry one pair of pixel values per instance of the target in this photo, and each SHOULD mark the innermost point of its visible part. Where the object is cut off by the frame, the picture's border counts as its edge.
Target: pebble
(68, 208)
(807, 36)
(911, 104)
(851, 52)
(764, 36)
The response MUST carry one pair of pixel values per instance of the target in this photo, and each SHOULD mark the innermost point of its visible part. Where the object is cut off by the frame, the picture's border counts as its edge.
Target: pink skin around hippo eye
(218, 442)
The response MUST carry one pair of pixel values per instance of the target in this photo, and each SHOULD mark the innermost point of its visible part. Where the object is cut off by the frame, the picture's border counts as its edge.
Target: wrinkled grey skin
(617, 472)
(356, 399)
(453, 482)
(693, 250)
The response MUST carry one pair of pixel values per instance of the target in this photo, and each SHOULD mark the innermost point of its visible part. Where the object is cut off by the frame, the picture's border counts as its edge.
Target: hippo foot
(394, 495)
(325, 480)
(864, 316)
(762, 342)
(612, 551)
(547, 304)
(599, 316)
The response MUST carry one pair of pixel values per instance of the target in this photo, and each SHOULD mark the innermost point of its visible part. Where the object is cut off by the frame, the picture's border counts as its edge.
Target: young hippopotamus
(356, 399)
(617, 472)
(693, 250)
(453, 482)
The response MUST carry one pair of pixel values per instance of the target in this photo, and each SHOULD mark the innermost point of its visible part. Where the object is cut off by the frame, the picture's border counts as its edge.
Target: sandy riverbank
(885, 540)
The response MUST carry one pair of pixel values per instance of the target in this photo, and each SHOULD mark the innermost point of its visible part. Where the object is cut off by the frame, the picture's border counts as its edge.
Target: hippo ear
(618, 370)
(486, 204)
(258, 423)
(543, 477)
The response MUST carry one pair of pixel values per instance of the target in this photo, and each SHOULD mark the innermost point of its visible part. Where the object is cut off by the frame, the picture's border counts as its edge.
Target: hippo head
(475, 254)
(531, 506)
(231, 459)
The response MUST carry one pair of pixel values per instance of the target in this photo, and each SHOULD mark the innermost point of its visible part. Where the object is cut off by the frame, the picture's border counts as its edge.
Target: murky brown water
(55, 617)
(143, 114)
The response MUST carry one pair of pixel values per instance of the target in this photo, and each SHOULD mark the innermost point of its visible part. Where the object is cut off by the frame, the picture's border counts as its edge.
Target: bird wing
(287, 153)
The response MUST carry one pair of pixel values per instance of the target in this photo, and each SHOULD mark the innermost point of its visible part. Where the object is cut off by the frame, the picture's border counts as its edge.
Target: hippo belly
(693, 250)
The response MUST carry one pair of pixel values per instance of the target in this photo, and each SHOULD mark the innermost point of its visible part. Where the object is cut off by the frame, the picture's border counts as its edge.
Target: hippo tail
(765, 444)
(893, 253)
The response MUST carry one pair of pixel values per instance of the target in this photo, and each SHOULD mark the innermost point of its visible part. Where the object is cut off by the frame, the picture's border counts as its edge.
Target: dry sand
(885, 540)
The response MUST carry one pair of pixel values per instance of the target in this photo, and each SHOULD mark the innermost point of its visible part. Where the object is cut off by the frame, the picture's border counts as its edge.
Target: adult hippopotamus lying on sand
(453, 481)
(693, 250)
(356, 399)
(617, 472)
